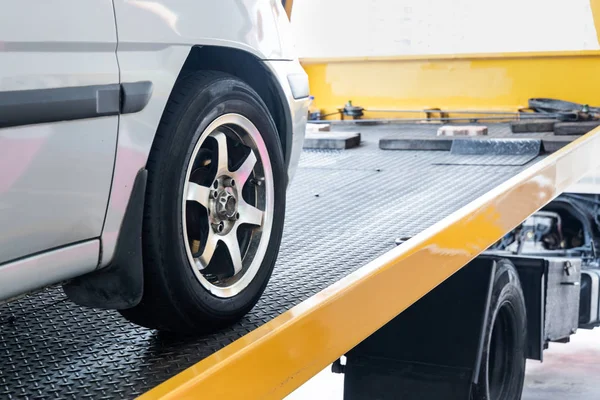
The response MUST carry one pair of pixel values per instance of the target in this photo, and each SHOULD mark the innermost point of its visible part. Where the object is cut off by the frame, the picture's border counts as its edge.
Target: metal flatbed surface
(345, 208)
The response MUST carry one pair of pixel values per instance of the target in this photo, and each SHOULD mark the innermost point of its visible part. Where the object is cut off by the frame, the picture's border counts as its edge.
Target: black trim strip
(135, 95)
(25, 107)
(37, 106)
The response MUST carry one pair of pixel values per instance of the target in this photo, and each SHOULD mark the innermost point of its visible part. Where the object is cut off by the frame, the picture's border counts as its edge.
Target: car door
(59, 103)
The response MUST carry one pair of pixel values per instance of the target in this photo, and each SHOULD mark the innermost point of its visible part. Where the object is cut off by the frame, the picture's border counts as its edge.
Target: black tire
(502, 368)
(173, 299)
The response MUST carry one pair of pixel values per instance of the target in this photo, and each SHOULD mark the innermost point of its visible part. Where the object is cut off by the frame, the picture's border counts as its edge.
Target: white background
(363, 28)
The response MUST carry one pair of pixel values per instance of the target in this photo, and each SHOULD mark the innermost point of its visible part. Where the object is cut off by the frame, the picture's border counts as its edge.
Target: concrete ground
(569, 372)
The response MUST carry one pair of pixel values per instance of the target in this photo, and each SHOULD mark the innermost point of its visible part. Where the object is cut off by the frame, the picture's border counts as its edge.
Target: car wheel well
(253, 72)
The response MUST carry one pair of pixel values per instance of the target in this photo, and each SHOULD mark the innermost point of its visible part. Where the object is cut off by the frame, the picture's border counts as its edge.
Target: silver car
(145, 152)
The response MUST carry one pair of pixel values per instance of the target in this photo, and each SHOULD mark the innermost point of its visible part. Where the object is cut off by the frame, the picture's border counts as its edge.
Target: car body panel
(298, 108)
(249, 25)
(52, 266)
(55, 176)
(161, 66)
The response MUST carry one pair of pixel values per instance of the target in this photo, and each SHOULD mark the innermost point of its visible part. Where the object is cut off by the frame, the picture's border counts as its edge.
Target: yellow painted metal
(483, 81)
(595, 6)
(501, 82)
(288, 8)
(278, 357)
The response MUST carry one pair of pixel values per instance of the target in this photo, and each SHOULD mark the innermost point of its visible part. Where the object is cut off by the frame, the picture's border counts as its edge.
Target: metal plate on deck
(331, 140)
(497, 151)
(51, 348)
(497, 147)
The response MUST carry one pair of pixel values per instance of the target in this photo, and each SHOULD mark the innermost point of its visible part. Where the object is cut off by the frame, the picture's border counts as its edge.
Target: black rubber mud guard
(120, 284)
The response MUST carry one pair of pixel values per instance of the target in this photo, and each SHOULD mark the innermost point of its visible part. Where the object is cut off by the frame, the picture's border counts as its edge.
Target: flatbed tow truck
(340, 280)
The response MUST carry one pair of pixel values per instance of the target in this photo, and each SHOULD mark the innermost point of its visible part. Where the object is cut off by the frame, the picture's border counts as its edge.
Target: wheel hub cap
(226, 205)
(223, 207)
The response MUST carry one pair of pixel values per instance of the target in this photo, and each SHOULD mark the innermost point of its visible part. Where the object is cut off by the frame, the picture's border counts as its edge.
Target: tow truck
(434, 274)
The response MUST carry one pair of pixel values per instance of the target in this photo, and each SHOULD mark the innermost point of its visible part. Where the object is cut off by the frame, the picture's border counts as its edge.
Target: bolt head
(219, 227)
(567, 267)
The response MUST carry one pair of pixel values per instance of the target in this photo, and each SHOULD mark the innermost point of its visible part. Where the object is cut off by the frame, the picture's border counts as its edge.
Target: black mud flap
(120, 284)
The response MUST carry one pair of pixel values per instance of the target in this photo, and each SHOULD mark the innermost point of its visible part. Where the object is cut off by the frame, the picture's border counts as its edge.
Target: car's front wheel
(215, 204)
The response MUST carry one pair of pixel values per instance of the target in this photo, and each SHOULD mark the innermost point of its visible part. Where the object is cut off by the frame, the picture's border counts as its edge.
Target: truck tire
(214, 207)
(502, 367)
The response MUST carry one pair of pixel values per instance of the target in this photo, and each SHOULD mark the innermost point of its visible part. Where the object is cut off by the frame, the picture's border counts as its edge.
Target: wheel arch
(253, 72)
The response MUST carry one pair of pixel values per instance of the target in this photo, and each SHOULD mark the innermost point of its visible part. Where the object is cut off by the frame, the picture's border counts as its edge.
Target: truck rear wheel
(502, 367)
(214, 211)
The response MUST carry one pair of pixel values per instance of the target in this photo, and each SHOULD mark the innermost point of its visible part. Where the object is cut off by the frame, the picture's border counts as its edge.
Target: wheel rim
(228, 204)
(500, 359)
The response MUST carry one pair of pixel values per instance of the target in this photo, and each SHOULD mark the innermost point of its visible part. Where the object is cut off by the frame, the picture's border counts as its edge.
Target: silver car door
(59, 105)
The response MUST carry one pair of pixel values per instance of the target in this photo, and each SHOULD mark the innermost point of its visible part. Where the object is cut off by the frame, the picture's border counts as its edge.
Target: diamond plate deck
(345, 208)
